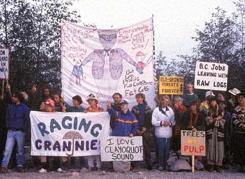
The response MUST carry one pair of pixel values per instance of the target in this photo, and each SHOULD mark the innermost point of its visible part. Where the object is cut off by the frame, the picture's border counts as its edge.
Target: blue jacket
(124, 123)
(17, 117)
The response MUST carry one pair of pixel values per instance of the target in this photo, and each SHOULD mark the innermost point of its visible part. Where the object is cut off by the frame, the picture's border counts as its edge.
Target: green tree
(33, 33)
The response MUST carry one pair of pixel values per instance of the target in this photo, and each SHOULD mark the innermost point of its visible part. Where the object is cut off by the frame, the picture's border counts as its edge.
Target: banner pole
(193, 163)
(2, 92)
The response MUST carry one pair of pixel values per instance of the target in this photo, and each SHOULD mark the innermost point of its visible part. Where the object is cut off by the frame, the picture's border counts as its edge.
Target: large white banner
(106, 61)
(68, 134)
(122, 149)
(211, 76)
(4, 63)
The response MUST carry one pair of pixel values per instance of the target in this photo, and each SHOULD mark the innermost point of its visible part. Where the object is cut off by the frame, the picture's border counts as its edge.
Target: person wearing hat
(47, 106)
(239, 132)
(125, 124)
(232, 102)
(93, 104)
(215, 123)
(143, 114)
(93, 107)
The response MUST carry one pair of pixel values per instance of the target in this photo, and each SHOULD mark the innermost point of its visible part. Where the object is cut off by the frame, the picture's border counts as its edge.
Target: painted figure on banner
(97, 61)
(77, 72)
(115, 57)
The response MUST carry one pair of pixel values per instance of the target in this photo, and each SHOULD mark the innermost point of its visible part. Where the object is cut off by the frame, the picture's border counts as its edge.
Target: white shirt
(158, 118)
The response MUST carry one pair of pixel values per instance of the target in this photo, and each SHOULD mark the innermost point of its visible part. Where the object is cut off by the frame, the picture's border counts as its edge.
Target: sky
(175, 21)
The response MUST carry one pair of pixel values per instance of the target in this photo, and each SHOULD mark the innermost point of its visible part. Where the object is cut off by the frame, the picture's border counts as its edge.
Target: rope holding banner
(2, 92)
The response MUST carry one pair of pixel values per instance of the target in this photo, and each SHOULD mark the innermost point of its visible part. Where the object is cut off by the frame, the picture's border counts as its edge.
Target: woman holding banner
(215, 124)
(94, 107)
(47, 106)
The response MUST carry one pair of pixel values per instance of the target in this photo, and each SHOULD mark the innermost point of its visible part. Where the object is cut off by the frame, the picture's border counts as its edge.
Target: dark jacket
(143, 114)
(17, 117)
(197, 122)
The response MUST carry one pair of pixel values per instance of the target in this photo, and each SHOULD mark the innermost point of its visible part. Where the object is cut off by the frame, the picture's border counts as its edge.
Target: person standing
(179, 109)
(116, 105)
(143, 114)
(94, 107)
(77, 162)
(34, 99)
(194, 120)
(117, 99)
(47, 106)
(126, 125)
(163, 121)
(215, 124)
(232, 102)
(76, 101)
(190, 96)
(239, 132)
(17, 122)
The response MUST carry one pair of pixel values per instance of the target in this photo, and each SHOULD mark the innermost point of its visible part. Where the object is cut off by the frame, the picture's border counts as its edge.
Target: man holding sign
(125, 124)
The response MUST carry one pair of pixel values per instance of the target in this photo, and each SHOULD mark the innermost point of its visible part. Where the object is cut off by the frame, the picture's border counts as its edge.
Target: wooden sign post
(193, 144)
(4, 67)
(2, 90)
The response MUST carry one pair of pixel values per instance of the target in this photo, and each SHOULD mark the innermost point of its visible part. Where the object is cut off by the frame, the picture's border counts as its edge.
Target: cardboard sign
(171, 85)
(4, 63)
(193, 143)
(68, 134)
(211, 76)
(122, 149)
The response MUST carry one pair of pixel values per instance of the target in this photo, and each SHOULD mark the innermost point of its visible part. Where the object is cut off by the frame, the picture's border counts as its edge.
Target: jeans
(92, 159)
(163, 145)
(19, 138)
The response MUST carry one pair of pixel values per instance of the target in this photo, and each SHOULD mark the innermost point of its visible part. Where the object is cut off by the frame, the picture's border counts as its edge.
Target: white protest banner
(122, 149)
(103, 62)
(68, 134)
(4, 63)
(211, 76)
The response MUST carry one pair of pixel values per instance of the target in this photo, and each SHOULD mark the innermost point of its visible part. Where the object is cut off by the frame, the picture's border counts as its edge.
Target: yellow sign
(193, 143)
(171, 85)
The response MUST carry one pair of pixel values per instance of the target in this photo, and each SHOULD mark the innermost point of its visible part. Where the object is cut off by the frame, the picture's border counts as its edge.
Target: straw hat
(92, 97)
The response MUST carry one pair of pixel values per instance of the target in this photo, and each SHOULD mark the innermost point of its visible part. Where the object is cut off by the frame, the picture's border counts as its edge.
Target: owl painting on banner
(105, 61)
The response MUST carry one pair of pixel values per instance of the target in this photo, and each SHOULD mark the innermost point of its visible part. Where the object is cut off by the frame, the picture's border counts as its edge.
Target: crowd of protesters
(221, 116)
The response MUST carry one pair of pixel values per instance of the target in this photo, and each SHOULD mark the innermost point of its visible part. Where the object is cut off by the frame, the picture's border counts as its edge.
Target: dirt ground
(137, 174)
